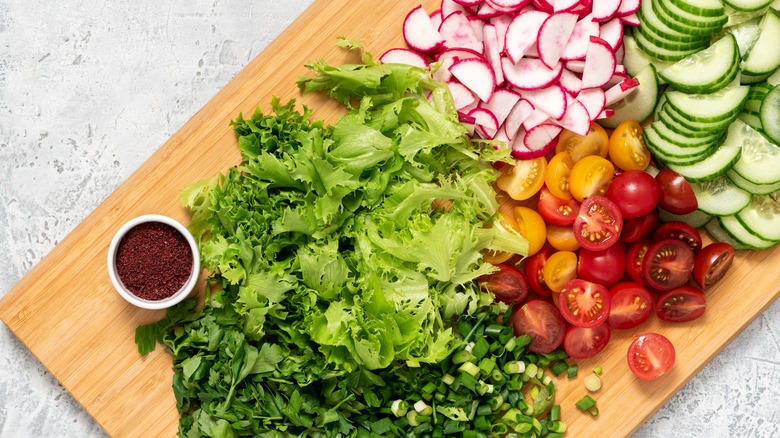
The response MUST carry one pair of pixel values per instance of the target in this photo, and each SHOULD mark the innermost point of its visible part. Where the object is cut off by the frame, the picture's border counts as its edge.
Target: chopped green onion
(462, 356)
(555, 413)
(587, 404)
(486, 365)
(530, 371)
(399, 408)
(481, 348)
(382, 427)
(559, 367)
(473, 434)
(447, 379)
(556, 426)
(515, 367)
(422, 408)
(451, 427)
(572, 370)
(597, 371)
(481, 423)
(412, 417)
(494, 329)
(510, 345)
(592, 382)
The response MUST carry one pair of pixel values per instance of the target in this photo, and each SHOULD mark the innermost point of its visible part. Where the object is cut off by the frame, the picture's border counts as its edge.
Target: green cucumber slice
(672, 12)
(705, 71)
(720, 196)
(682, 140)
(762, 217)
(637, 105)
(773, 79)
(747, 5)
(662, 53)
(770, 114)
(716, 232)
(764, 57)
(734, 228)
(711, 167)
(677, 127)
(687, 122)
(701, 8)
(635, 59)
(696, 219)
(760, 160)
(756, 189)
(648, 18)
(712, 107)
(745, 34)
(752, 119)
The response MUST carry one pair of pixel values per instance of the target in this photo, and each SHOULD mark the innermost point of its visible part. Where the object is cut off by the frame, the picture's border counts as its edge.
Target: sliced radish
(628, 7)
(616, 79)
(535, 119)
(577, 119)
(458, 33)
(612, 33)
(620, 68)
(604, 10)
(553, 35)
(485, 121)
(577, 46)
(467, 121)
(544, 5)
(620, 54)
(476, 75)
(476, 25)
(436, 18)
(420, 33)
(550, 100)
(575, 66)
(520, 112)
(536, 142)
(448, 7)
(507, 6)
(594, 100)
(447, 57)
(630, 20)
(608, 112)
(599, 63)
(522, 33)
(403, 56)
(530, 73)
(486, 11)
(502, 24)
(565, 5)
(621, 90)
(503, 102)
(461, 95)
(468, 3)
(570, 82)
(492, 52)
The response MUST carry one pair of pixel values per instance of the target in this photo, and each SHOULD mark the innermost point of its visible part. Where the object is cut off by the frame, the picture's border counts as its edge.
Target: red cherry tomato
(638, 228)
(650, 356)
(631, 305)
(604, 267)
(712, 263)
(534, 274)
(598, 224)
(676, 193)
(556, 211)
(583, 303)
(635, 192)
(541, 321)
(635, 258)
(680, 231)
(685, 303)
(668, 264)
(582, 343)
(507, 284)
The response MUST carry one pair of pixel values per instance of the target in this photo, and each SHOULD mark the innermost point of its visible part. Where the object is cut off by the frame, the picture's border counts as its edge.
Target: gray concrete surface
(89, 89)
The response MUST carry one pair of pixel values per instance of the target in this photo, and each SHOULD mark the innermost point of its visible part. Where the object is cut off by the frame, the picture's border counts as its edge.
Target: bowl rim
(164, 303)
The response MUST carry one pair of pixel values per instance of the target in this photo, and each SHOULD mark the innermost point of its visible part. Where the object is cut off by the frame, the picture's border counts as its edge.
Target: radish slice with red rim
(447, 57)
(503, 102)
(575, 66)
(612, 33)
(577, 46)
(502, 24)
(485, 121)
(522, 33)
(436, 18)
(621, 90)
(535, 119)
(420, 33)
(403, 56)
(461, 96)
(594, 100)
(630, 20)
(514, 121)
(448, 7)
(599, 63)
(457, 32)
(550, 100)
(616, 79)
(628, 7)
(492, 52)
(468, 3)
(576, 119)
(536, 142)
(565, 5)
(553, 36)
(604, 10)
(607, 113)
(530, 73)
(476, 75)
(486, 11)
(543, 5)
(570, 82)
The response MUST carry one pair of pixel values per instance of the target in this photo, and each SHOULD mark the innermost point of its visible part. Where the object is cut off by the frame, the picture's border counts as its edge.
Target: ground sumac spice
(153, 260)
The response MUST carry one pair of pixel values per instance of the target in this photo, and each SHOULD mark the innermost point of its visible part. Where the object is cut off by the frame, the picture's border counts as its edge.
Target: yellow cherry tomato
(559, 269)
(627, 148)
(556, 177)
(497, 257)
(523, 179)
(590, 176)
(532, 227)
(562, 238)
(596, 142)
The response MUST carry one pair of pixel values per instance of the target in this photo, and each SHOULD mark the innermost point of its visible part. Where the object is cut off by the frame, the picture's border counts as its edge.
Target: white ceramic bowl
(177, 297)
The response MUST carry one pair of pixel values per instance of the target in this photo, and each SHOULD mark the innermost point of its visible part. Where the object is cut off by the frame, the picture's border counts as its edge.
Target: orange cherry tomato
(562, 238)
(559, 269)
(590, 176)
(498, 257)
(596, 142)
(523, 179)
(556, 177)
(532, 227)
(627, 148)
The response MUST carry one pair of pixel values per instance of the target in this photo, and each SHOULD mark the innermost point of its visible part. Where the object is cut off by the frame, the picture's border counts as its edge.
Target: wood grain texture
(67, 313)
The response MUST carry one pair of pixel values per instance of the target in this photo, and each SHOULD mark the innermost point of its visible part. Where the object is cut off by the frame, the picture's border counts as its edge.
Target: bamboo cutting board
(67, 313)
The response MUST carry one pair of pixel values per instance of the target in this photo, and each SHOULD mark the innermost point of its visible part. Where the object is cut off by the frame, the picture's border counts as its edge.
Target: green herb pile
(342, 257)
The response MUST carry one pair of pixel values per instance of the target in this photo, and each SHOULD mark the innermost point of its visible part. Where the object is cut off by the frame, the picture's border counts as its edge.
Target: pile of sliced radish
(520, 71)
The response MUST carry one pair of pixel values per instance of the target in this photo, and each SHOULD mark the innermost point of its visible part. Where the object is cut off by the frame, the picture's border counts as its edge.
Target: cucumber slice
(687, 122)
(760, 160)
(635, 59)
(697, 219)
(773, 79)
(660, 41)
(734, 228)
(648, 18)
(762, 217)
(720, 197)
(770, 114)
(637, 105)
(751, 119)
(748, 5)
(738, 17)
(705, 70)
(659, 52)
(764, 56)
(682, 140)
(745, 34)
(713, 107)
(679, 150)
(701, 8)
(675, 126)
(711, 167)
(672, 12)
(756, 189)
(716, 232)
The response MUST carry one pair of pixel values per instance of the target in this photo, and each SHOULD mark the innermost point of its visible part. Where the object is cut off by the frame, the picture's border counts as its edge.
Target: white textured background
(89, 89)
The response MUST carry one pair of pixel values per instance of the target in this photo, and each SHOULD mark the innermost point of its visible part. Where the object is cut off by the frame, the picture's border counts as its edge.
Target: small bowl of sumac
(153, 262)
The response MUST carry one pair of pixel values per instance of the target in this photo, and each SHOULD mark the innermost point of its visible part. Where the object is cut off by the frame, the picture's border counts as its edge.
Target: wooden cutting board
(67, 313)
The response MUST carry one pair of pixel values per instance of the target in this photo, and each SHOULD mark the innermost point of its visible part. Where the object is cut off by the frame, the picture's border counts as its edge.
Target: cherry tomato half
(605, 267)
(507, 284)
(596, 142)
(682, 304)
(534, 274)
(557, 211)
(680, 231)
(650, 356)
(676, 193)
(556, 177)
(638, 228)
(532, 227)
(541, 321)
(712, 263)
(635, 192)
(627, 147)
(582, 342)
(668, 264)
(590, 177)
(631, 305)
(523, 179)
(635, 258)
(598, 224)
(583, 303)
(562, 238)
(560, 268)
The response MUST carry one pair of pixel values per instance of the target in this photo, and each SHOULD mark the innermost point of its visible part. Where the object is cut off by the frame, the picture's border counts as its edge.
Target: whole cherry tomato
(676, 193)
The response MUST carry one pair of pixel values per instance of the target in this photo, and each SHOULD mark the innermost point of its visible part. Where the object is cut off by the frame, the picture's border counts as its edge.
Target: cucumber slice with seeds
(760, 160)
(713, 107)
(762, 217)
(764, 56)
(756, 189)
(745, 34)
(720, 197)
(705, 71)
(734, 228)
(711, 167)
(770, 114)
(716, 232)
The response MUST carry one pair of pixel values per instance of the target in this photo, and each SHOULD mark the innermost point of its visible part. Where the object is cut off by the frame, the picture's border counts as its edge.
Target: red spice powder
(153, 260)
